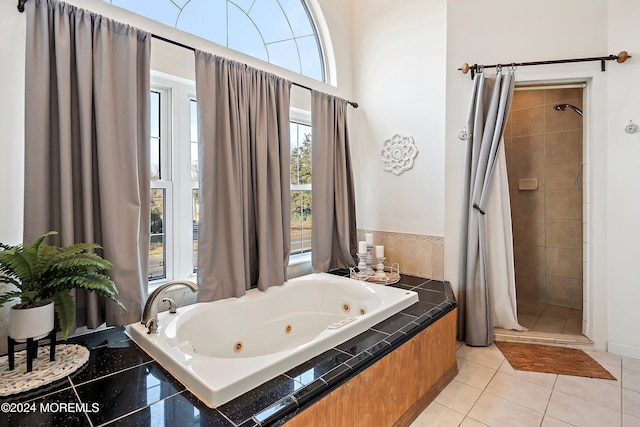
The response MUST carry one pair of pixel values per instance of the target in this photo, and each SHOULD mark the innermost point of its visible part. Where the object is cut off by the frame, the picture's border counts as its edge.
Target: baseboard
(624, 350)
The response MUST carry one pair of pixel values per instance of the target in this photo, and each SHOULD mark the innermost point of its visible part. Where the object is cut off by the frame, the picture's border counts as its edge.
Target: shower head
(563, 107)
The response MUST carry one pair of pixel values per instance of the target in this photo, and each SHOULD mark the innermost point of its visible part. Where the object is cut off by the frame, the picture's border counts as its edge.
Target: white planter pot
(33, 323)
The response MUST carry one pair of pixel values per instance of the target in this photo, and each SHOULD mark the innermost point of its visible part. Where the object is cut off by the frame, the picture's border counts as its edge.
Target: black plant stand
(32, 350)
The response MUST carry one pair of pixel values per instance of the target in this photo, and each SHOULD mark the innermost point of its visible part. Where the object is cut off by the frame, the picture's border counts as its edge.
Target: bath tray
(391, 275)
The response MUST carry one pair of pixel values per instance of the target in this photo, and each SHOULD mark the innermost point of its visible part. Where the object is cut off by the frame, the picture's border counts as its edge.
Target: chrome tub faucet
(150, 311)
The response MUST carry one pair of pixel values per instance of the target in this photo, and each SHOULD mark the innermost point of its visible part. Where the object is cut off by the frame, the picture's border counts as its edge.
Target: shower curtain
(486, 295)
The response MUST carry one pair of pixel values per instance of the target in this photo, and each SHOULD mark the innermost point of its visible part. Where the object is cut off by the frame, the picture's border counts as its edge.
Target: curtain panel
(334, 231)
(488, 112)
(87, 145)
(245, 214)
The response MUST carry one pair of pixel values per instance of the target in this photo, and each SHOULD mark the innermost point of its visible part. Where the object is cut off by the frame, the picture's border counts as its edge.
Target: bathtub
(220, 350)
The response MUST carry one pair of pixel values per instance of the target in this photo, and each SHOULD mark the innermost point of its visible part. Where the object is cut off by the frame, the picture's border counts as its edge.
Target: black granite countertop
(123, 385)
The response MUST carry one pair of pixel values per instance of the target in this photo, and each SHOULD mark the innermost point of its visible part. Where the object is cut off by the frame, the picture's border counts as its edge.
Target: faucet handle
(172, 305)
(152, 326)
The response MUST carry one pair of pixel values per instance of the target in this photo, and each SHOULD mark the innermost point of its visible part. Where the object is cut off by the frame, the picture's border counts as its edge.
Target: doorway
(544, 155)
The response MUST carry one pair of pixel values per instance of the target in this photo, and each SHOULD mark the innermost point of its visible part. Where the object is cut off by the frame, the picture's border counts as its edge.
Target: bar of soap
(528, 184)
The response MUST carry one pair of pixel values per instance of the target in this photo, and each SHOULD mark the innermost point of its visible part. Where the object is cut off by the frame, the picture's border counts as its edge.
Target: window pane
(194, 141)
(285, 55)
(269, 17)
(155, 136)
(300, 188)
(157, 248)
(300, 154)
(300, 222)
(206, 19)
(244, 36)
(196, 217)
(310, 60)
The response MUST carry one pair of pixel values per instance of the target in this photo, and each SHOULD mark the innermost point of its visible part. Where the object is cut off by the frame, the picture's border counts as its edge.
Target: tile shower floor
(488, 392)
(546, 323)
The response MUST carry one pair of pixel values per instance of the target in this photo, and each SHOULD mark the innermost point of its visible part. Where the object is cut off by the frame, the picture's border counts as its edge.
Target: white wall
(399, 50)
(623, 175)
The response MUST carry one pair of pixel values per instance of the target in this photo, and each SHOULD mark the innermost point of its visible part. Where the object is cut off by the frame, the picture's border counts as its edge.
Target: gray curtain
(335, 239)
(87, 145)
(488, 113)
(244, 228)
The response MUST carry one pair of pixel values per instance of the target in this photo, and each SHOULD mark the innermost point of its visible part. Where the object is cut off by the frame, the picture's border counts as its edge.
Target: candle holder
(362, 262)
(369, 261)
(380, 267)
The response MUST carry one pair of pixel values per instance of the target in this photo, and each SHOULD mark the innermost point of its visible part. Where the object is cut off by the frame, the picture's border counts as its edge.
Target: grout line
(80, 400)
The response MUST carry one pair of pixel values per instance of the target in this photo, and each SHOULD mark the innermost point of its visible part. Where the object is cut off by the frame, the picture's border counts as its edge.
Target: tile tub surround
(130, 388)
(418, 254)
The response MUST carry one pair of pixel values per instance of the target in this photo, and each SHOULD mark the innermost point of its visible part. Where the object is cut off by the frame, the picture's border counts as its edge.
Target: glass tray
(391, 275)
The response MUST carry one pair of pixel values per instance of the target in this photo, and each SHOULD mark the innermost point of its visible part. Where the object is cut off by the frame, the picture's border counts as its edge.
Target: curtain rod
(354, 104)
(182, 45)
(619, 58)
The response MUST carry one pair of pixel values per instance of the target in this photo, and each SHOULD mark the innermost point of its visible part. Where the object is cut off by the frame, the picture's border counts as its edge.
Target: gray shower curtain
(244, 229)
(87, 145)
(334, 232)
(488, 115)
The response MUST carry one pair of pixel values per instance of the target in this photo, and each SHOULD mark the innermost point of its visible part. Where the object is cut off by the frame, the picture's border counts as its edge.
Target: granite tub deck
(129, 388)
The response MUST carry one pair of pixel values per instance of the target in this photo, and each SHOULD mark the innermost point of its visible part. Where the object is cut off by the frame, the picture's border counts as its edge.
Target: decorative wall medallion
(398, 153)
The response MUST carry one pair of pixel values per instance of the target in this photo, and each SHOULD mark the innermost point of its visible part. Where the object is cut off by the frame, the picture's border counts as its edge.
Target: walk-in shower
(544, 149)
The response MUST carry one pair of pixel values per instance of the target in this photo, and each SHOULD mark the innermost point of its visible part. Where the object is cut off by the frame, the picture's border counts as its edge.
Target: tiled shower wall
(546, 145)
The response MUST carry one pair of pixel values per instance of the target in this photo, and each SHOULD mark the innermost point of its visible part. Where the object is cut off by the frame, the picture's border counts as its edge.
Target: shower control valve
(631, 128)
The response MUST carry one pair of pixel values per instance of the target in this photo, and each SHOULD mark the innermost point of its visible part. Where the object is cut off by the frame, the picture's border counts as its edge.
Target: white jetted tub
(222, 349)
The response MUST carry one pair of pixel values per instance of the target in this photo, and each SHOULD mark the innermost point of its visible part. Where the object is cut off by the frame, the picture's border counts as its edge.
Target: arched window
(281, 32)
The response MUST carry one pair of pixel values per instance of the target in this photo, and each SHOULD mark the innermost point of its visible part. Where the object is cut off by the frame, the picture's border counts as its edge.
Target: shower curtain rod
(354, 104)
(619, 58)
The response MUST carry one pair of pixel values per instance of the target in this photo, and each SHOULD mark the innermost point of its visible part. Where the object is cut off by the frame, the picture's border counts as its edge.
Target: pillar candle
(369, 238)
(380, 251)
(362, 247)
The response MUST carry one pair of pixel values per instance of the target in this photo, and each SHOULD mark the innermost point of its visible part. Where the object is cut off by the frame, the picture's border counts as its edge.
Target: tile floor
(550, 324)
(488, 392)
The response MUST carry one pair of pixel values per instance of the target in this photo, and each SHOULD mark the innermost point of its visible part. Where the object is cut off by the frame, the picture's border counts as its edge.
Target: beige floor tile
(580, 412)
(552, 325)
(517, 390)
(470, 422)
(491, 356)
(437, 415)
(555, 312)
(474, 374)
(496, 411)
(458, 396)
(604, 357)
(631, 364)
(590, 389)
(552, 422)
(616, 371)
(630, 379)
(631, 402)
(541, 378)
(530, 307)
(630, 421)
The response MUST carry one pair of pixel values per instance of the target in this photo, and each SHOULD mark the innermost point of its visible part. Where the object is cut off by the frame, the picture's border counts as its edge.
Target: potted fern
(43, 275)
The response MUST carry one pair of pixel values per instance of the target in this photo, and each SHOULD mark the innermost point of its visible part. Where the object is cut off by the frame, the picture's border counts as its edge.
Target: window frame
(176, 95)
(175, 136)
(303, 117)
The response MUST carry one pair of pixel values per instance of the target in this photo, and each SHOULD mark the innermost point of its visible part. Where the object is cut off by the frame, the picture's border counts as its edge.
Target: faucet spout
(150, 311)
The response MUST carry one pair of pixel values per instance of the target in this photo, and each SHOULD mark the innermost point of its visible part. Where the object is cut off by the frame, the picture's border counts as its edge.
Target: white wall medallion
(398, 153)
